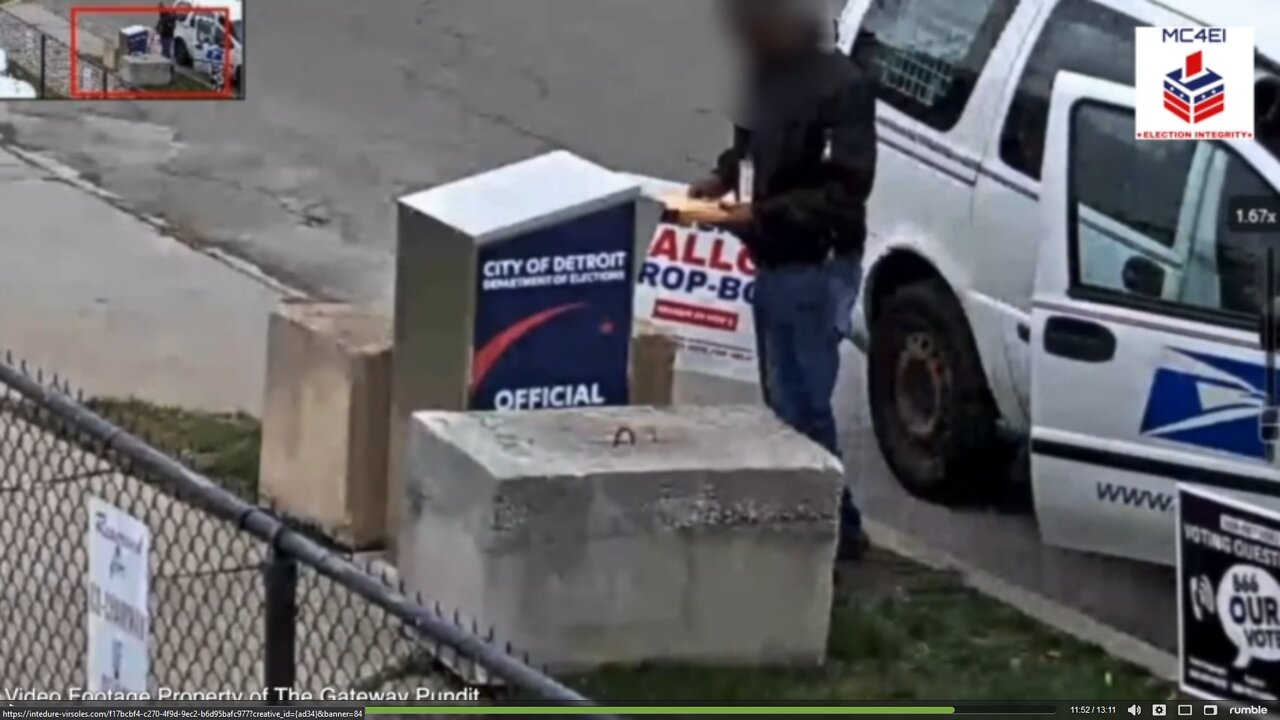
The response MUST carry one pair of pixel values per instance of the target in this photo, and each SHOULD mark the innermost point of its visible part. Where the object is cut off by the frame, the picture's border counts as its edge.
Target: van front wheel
(181, 53)
(933, 413)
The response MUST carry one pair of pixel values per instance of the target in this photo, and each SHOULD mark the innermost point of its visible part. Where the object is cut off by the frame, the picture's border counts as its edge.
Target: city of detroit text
(422, 694)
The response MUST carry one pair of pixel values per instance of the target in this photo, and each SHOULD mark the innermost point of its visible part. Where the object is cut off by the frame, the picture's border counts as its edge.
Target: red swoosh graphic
(489, 355)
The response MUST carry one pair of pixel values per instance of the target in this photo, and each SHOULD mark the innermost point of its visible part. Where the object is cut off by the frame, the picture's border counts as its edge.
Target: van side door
(1147, 366)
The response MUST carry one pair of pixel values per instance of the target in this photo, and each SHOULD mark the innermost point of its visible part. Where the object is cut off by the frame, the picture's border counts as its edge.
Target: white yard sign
(698, 284)
(119, 618)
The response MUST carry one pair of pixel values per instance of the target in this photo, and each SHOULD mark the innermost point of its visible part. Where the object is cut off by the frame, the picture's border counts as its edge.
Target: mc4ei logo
(1194, 83)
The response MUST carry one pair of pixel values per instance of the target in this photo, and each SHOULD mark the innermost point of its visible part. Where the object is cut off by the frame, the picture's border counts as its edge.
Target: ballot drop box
(135, 40)
(515, 291)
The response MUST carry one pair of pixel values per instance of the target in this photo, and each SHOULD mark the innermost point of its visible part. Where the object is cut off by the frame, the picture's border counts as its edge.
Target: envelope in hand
(685, 210)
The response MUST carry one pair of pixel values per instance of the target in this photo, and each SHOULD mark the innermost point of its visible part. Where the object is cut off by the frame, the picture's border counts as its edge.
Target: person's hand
(736, 213)
(708, 188)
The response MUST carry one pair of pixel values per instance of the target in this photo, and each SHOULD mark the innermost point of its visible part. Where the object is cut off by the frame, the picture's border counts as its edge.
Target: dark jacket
(812, 141)
(167, 24)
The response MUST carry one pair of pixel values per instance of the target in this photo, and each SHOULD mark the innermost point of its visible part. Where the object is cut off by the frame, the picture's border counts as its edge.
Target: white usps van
(200, 41)
(1038, 278)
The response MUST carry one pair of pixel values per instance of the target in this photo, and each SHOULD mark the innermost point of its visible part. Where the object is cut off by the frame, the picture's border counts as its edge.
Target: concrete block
(326, 419)
(653, 365)
(146, 70)
(624, 535)
(112, 52)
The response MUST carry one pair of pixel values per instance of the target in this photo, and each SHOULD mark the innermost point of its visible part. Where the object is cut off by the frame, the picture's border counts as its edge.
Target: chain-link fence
(44, 61)
(239, 598)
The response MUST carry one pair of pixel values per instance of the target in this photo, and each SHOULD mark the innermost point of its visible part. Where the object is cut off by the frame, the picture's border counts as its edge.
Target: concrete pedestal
(622, 535)
(325, 425)
(146, 70)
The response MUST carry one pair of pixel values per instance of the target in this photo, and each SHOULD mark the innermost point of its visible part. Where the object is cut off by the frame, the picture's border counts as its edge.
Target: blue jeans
(166, 47)
(802, 312)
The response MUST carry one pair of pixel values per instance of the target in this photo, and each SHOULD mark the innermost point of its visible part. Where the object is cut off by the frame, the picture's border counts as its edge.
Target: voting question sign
(1228, 597)
(118, 586)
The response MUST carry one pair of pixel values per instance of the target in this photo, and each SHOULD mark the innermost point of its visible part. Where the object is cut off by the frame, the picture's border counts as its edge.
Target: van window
(209, 32)
(928, 54)
(204, 30)
(1154, 226)
(1138, 185)
(1082, 37)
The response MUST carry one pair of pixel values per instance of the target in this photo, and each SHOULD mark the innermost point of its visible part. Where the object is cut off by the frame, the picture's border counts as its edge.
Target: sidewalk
(105, 299)
(58, 27)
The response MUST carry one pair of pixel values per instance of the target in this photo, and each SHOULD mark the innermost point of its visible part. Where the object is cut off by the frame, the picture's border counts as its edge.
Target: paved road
(351, 104)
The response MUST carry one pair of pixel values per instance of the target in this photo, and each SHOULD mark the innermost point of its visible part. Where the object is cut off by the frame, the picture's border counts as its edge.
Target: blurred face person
(768, 31)
(803, 159)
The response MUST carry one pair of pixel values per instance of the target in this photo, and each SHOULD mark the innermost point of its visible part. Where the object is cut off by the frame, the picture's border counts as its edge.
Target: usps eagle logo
(1207, 401)
(1194, 92)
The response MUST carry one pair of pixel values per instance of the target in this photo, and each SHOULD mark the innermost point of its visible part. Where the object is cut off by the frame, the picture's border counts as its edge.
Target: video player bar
(179, 712)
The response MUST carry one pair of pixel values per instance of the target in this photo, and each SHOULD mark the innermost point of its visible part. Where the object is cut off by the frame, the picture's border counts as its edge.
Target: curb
(1159, 663)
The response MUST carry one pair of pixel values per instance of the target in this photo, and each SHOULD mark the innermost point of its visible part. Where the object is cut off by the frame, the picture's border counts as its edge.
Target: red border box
(227, 93)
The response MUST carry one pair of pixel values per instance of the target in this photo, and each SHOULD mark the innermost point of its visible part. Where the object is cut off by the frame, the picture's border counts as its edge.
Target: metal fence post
(279, 661)
(44, 42)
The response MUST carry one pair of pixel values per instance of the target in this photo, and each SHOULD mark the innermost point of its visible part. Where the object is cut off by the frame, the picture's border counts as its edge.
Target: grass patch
(900, 632)
(225, 447)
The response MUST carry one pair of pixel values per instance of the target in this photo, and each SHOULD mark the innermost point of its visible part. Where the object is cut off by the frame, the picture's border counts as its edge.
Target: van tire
(180, 52)
(940, 440)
